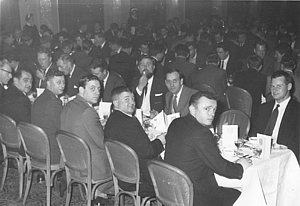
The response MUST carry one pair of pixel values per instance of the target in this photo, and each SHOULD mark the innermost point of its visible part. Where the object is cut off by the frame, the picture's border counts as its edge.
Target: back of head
(85, 79)
(288, 62)
(119, 90)
(255, 62)
(195, 97)
(99, 63)
(87, 45)
(213, 58)
(182, 50)
(53, 73)
(66, 58)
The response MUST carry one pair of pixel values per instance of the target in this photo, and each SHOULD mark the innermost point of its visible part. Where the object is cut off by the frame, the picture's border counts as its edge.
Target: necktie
(175, 106)
(145, 90)
(101, 90)
(222, 64)
(272, 121)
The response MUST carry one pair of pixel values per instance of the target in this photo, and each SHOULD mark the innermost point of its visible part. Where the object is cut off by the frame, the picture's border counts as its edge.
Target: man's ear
(81, 90)
(192, 110)
(290, 86)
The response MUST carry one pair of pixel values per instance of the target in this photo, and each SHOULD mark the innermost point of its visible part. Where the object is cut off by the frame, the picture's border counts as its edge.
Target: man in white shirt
(279, 118)
(149, 89)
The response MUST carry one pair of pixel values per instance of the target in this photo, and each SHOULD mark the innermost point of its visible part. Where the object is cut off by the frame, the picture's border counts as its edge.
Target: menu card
(39, 91)
(264, 142)
(229, 135)
(104, 109)
(161, 122)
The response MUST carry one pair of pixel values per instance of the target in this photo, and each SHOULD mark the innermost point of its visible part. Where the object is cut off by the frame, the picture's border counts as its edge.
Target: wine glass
(238, 145)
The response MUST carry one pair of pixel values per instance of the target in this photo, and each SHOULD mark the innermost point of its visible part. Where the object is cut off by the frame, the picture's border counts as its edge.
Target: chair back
(8, 132)
(35, 141)
(234, 117)
(204, 88)
(123, 161)
(75, 152)
(239, 99)
(172, 186)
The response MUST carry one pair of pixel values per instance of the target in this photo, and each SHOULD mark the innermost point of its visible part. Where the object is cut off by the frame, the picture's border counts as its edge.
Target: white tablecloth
(269, 182)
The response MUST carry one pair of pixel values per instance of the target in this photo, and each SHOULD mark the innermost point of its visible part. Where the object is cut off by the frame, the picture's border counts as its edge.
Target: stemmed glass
(238, 143)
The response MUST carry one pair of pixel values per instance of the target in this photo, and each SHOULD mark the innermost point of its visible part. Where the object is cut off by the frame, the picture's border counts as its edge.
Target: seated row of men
(80, 118)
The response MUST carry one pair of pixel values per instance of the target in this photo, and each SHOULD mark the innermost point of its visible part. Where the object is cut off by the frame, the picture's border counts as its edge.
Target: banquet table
(268, 182)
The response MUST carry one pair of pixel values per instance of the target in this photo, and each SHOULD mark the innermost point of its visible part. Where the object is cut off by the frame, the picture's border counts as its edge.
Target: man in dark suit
(109, 79)
(260, 49)
(46, 109)
(32, 29)
(228, 62)
(121, 62)
(101, 49)
(286, 128)
(178, 96)
(25, 51)
(124, 127)
(5, 76)
(81, 119)
(15, 103)
(193, 57)
(157, 51)
(204, 48)
(191, 147)
(82, 58)
(149, 89)
(73, 73)
(253, 82)
(181, 63)
(45, 64)
(7, 43)
(213, 76)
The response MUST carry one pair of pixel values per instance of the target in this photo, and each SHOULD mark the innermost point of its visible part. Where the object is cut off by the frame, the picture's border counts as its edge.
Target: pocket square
(75, 87)
(157, 95)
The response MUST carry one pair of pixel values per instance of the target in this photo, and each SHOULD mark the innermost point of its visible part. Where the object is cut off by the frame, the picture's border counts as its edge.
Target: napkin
(161, 122)
(104, 109)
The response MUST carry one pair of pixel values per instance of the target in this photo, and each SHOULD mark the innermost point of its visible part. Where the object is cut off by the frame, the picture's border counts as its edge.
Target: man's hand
(40, 74)
(143, 82)
(245, 162)
(153, 113)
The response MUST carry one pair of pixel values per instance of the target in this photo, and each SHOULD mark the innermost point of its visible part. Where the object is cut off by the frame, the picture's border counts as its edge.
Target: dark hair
(99, 35)
(87, 44)
(195, 97)
(281, 73)
(125, 43)
(182, 50)
(44, 50)
(114, 25)
(193, 44)
(114, 40)
(255, 61)
(213, 58)
(67, 43)
(10, 56)
(204, 36)
(119, 90)
(172, 70)
(289, 62)
(283, 48)
(99, 63)
(156, 49)
(261, 43)
(45, 39)
(148, 57)
(66, 58)
(18, 74)
(224, 46)
(53, 73)
(87, 78)
(26, 36)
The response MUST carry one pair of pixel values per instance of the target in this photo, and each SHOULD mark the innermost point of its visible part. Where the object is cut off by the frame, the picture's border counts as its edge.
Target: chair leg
(28, 184)
(137, 200)
(48, 184)
(21, 176)
(5, 168)
(81, 192)
(69, 191)
(89, 198)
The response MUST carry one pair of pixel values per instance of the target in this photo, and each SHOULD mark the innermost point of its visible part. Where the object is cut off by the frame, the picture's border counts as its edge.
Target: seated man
(178, 96)
(149, 89)
(280, 117)
(109, 79)
(46, 110)
(15, 103)
(80, 118)
(191, 147)
(5, 76)
(124, 127)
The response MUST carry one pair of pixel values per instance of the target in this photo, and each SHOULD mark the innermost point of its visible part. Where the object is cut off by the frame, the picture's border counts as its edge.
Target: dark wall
(197, 10)
(71, 12)
(10, 15)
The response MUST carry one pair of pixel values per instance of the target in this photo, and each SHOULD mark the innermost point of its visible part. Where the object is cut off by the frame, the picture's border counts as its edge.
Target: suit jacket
(157, 93)
(39, 83)
(45, 113)
(129, 131)
(183, 104)
(114, 80)
(254, 83)
(82, 59)
(191, 147)
(2, 90)
(233, 66)
(102, 53)
(16, 105)
(295, 91)
(185, 67)
(289, 128)
(6, 48)
(268, 65)
(124, 65)
(72, 83)
(214, 77)
(81, 119)
(203, 49)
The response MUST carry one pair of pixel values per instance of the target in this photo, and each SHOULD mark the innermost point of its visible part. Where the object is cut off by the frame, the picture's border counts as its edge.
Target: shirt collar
(129, 115)
(282, 104)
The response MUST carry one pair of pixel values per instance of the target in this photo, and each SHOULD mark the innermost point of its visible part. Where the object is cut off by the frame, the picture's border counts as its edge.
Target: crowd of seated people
(150, 68)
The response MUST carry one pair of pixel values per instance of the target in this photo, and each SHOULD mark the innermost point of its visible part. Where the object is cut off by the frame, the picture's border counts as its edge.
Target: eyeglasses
(6, 71)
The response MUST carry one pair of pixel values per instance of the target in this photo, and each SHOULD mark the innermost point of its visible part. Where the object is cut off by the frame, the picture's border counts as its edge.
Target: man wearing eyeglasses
(5, 76)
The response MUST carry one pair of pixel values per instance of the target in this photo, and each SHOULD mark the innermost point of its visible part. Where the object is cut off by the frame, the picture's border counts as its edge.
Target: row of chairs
(37, 151)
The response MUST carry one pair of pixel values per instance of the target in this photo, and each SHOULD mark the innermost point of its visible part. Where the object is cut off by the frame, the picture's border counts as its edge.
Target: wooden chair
(239, 99)
(37, 150)
(11, 143)
(172, 186)
(234, 117)
(204, 88)
(124, 165)
(77, 158)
